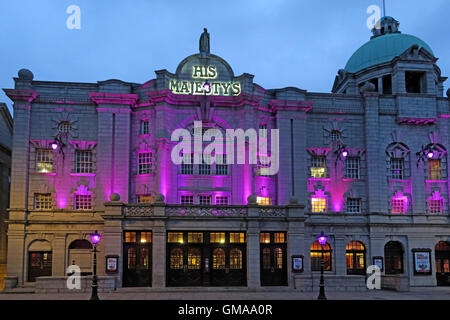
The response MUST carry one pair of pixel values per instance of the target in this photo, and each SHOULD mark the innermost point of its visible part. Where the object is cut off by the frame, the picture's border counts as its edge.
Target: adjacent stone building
(6, 125)
(366, 165)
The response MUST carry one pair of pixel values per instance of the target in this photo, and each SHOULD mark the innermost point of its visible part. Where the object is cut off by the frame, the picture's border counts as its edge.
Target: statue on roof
(204, 42)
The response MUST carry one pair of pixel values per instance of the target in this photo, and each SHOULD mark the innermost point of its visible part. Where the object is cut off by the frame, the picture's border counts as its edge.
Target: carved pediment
(413, 53)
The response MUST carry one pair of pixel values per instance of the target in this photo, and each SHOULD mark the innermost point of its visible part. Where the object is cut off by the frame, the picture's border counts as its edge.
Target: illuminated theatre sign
(201, 74)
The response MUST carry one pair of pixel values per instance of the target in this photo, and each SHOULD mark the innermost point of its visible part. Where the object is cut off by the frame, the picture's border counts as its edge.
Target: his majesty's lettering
(201, 74)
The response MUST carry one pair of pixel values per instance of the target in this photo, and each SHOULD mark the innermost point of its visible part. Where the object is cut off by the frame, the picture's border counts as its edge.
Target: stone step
(19, 290)
(203, 289)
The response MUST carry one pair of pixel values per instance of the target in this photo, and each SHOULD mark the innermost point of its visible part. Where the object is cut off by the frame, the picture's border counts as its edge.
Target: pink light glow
(345, 154)
(54, 145)
(430, 154)
(322, 239)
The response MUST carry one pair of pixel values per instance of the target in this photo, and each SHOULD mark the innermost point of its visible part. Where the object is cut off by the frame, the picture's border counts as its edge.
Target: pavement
(417, 293)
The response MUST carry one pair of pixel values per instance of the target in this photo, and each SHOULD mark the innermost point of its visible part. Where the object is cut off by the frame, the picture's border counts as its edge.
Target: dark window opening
(387, 84)
(393, 255)
(415, 82)
(375, 83)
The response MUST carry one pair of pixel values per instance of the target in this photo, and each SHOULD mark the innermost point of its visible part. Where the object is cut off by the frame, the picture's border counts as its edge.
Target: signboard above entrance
(200, 75)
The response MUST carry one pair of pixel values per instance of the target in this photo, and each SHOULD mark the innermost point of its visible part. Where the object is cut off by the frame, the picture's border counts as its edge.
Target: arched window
(393, 256)
(355, 254)
(176, 258)
(194, 258)
(316, 255)
(235, 259)
(218, 259)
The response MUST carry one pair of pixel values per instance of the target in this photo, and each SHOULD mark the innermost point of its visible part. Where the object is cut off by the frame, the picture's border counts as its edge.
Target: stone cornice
(21, 95)
(188, 100)
(114, 98)
(291, 105)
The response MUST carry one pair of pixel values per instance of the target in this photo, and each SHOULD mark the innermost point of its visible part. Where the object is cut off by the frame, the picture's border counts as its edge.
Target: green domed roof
(382, 49)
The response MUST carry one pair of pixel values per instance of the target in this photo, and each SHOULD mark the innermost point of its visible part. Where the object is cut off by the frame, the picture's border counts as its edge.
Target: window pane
(318, 204)
(218, 259)
(43, 201)
(144, 198)
(279, 237)
(146, 237)
(83, 161)
(130, 236)
(44, 161)
(397, 168)
(195, 237)
(237, 237)
(175, 237)
(235, 259)
(264, 237)
(176, 258)
(194, 258)
(264, 201)
(217, 237)
(145, 161)
(83, 202)
(434, 169)
(318, 167)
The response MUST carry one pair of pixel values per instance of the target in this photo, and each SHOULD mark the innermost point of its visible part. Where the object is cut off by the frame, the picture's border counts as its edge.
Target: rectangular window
(435, 205)
(44, 160)
(83, 202)
(319, 167)
(318, 204)
(352, 168)
(204, 168)
(187, 167)
(144, 198)
(217, 237)
(146, 237)
(264, 201)
(187, 199)
(145, 127)
(353, 205)
(263, 130)
(175, 237)
(263, 165)
(83, 161)
(279, 237)
(130, 236)
(221, 200)
(195, 237)
(237, 237)
(399, 205)
(43, 201)
(397, 167)
(145, 161)
(204, 200)
(221, 169)
(264, 237)
(434, 169)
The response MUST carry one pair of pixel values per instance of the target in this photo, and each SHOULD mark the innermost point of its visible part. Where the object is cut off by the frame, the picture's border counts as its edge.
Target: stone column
(112, 236)
(159, 249)
(16, 253)
(339, 255)
(59, 255)
(253, 250)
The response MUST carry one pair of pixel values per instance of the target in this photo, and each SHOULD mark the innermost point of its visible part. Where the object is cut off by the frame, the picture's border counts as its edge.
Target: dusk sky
(300, 43)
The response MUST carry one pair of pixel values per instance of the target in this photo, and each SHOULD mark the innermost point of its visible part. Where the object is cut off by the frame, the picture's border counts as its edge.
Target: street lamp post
(95, 237)
(322, 240)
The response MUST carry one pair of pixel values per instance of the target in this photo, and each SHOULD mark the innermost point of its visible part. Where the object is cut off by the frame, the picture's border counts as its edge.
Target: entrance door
(185, 266)
(227, 256)
(184, 259)
(442, 253)
(206, 259)
(40, 265)
(273, 251)
(137, 253)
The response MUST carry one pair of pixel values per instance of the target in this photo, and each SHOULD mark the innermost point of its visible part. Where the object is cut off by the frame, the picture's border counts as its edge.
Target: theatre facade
(366, 165)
